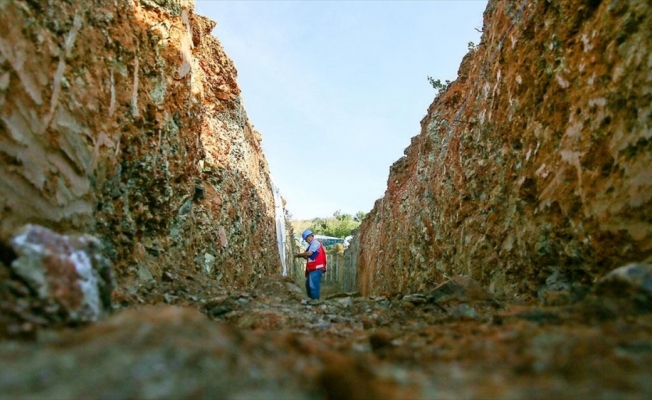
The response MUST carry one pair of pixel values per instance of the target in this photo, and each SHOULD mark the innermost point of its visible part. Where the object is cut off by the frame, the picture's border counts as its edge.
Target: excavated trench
(132, 184)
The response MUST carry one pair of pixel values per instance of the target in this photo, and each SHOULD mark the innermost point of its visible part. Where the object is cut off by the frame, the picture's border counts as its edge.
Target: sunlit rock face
(536, 161)
(123, 119)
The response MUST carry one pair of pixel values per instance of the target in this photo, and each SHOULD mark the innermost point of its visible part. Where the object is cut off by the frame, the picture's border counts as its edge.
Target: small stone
(380, 341)
(185, 208)
(345, 302)
(449, 291)
(220, 310)
(415, 299)
(167, 277)
(556, 290)
(464, 311)
(633, 281)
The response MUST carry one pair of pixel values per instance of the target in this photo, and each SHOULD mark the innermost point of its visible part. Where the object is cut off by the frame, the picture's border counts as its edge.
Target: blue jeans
(313, 283)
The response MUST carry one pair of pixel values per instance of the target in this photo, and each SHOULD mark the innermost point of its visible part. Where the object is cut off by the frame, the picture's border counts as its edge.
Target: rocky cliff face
(123, 119)
(534, 165)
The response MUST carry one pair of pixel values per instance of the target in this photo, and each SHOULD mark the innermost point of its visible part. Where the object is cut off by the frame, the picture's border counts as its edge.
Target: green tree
(318, 225)
(340, 225)
(436, 84)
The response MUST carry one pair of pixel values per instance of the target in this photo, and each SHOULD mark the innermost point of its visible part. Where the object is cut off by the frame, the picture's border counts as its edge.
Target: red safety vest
(320, 260)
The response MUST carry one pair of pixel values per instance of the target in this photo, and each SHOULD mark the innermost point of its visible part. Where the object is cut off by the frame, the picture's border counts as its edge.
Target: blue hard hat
(306, 233)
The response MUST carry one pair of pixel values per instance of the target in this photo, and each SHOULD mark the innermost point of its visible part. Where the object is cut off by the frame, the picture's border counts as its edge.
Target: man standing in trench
(315, 256)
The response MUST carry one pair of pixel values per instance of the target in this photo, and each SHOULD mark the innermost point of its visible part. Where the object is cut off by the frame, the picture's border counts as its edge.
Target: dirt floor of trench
(272, 342)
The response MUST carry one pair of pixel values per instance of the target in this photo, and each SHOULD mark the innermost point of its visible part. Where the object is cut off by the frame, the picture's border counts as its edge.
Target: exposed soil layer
(123, 119)
(536, 161)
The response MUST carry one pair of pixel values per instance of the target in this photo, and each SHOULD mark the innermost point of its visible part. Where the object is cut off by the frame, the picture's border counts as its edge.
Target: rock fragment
(460, 288)
(632, 281)
(58, 278)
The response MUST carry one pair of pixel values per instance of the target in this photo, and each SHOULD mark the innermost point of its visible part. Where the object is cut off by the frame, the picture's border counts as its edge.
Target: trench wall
(536, 161)
(123, 118)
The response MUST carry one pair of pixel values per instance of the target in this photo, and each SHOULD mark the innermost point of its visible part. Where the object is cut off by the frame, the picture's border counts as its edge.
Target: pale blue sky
(338, 88)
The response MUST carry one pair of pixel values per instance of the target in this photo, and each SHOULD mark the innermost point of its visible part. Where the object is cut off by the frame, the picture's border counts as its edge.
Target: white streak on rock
(70, 40)
(186, 47)
(562, 82)
(588, 46)
(58, 75)
(17, 58)
(89, 285)
(134, 94)
(601, 102)
(573, 158)
(4, 81)
(112, 91)
(102, 140)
